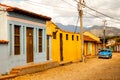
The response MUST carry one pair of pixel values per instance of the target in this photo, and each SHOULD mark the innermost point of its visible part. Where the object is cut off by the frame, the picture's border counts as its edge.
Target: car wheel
(110, 56)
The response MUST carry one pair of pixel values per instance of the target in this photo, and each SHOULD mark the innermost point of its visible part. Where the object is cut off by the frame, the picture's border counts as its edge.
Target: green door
(89, 48)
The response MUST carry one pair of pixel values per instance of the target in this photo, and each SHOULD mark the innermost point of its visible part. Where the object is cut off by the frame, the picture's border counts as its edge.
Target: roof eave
(11, 9)
(15, 9)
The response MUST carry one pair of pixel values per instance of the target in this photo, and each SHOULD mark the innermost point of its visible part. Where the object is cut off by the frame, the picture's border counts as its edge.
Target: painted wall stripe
(25, 21)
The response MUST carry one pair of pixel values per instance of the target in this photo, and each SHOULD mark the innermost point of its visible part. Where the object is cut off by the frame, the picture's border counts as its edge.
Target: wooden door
(61, 47)
(29, 44)
(48, 54)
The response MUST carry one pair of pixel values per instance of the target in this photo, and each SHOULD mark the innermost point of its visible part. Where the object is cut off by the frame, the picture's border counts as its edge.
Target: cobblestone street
(92, 69)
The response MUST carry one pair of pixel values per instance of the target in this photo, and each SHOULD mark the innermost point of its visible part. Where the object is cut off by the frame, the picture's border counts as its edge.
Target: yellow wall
(85, 48)
(50, 27)
(94, 47)
(71, 49)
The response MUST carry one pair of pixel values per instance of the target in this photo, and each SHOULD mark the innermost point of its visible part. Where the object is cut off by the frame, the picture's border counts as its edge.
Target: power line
(101, 18)
(95, 11)
(102, 13)
(69, 4)
(46, 4)
(78, 16)
(76, 25)
(31, 2)
(63, 8)
(98, 11)
(114, 21)
(93, 15)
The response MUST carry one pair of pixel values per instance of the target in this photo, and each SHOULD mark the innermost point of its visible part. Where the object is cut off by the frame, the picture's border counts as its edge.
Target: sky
(66, 12)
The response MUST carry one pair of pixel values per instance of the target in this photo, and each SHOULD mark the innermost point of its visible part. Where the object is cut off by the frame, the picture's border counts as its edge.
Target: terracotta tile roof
(117, 43)
(87, 38)
(3, 42)
(22, 11)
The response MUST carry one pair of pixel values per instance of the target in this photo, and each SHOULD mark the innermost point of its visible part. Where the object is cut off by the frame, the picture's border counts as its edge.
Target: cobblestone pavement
(92, 69)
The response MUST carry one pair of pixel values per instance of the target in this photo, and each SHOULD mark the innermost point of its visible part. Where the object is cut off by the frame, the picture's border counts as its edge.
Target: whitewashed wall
(8, 61)
(4, 59)
(3, 25)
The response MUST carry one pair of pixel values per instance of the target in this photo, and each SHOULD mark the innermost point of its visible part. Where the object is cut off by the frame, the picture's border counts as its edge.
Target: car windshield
(104, 50)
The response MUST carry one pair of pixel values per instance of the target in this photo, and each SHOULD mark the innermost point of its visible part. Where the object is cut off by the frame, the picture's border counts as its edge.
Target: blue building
(22, 37)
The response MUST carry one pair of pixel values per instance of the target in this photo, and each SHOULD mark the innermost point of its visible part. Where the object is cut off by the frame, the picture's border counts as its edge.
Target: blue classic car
(105, 53)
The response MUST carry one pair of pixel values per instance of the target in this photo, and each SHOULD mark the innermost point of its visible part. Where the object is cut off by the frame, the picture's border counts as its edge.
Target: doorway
(61, 47)
(29, 44)
(48, 47)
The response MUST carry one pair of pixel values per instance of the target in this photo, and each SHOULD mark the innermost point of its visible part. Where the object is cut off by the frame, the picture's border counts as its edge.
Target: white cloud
(65, 11)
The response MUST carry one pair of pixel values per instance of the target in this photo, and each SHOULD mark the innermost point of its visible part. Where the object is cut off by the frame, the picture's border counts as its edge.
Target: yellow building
(91, 44)
(92, 36)
(62, 45)
(65, 46)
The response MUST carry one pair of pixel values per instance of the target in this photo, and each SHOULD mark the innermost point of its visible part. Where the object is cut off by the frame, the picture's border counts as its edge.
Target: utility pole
(104, 36)
(80, 6)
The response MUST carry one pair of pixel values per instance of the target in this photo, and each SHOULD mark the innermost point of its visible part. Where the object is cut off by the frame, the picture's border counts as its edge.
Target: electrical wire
(31, 2)
(101, 18)
(76, 25)
(60, 8)
(69, 4)
(47, 4)
(93, 15)
(102, 13)
(98, 11)
(95, 11)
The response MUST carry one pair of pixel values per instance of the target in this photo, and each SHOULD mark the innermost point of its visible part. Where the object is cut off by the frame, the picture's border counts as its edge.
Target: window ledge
(4, 42)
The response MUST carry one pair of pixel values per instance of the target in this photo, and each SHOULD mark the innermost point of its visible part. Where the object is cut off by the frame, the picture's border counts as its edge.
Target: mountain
(109, 31)
(70, 28)
(96, 30)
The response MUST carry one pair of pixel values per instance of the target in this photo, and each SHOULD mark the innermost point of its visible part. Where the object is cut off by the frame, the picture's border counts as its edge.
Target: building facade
(22, 37)
(115, 47)
(92, 44)
(64, 46)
